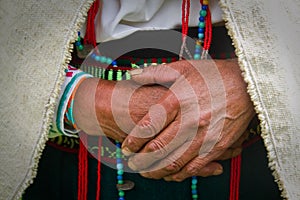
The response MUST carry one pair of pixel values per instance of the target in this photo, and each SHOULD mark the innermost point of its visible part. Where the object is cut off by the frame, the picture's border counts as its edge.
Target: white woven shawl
(266, 38)
(35, 40)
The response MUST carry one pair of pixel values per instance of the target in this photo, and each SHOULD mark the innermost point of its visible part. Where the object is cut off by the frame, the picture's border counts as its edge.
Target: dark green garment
(57, 179)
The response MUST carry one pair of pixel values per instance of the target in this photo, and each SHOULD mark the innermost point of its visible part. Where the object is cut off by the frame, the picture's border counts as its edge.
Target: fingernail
(132, 166)
(218, 172)
(146, 175)
(168, 178)
(135, 72)
(126, 151)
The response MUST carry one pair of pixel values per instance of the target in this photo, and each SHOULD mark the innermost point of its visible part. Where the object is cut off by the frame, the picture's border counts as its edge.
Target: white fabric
(35, 41)
(266, 37)
(120, 18)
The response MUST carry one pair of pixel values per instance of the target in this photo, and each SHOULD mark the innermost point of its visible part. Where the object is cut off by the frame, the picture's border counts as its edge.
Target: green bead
(108, 61)
(201, 24)
(197, 57)
(200, 35)
(120, 172)
(110, 75)
(103, 59)
(80, 47)
(118, 155)
(195, 196)
(159, 60)
(194, 187)
(194, 181)
(203, 13)
(119, 75)
(118, 150)
(169, 60)
(120, 181)
(121, 193)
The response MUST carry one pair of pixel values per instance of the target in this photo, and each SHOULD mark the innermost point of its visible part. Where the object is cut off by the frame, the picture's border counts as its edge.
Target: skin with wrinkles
(98, 102)
(186, 157)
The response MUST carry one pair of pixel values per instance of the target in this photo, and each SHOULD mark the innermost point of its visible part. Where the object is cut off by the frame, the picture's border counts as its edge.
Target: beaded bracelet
(64, 108)
(68, 117)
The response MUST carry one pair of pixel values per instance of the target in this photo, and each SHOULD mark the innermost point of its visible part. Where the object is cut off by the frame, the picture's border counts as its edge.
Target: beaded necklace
(203, 42)
(201, 52)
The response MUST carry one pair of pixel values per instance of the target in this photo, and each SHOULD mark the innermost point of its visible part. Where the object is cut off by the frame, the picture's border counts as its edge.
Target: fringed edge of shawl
(254, 93)
(79, 18)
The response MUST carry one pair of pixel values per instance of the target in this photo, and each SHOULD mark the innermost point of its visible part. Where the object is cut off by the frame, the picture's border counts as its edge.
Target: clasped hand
(184, 116)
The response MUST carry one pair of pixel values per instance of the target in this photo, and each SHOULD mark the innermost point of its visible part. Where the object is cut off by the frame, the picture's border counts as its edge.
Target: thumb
(159, 74)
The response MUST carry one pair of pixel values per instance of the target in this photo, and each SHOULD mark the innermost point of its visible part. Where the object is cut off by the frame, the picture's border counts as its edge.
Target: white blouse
(119, 18)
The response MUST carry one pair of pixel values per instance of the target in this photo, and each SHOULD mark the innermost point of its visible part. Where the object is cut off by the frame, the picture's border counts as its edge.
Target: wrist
(84, 107)
(63, 121)
(103, 108)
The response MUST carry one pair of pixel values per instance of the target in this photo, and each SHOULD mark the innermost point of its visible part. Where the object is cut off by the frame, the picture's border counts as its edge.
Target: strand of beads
(98, 58)
(120, 171)
(201, 29)
(121, 61)
(194, 188)
(201, 42)
(104, 59)
(78, 42)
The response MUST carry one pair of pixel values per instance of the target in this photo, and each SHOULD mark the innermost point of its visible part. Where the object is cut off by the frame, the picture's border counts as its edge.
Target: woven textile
(266, 37)
(35, 38)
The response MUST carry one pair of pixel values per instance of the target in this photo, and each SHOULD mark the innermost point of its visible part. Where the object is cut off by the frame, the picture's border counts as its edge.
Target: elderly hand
(112, 108)
(206, 110)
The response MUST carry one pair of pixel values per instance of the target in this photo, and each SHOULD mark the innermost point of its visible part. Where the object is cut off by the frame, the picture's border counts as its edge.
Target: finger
(158, 117)
(241, 140)
(157, 149)
(155, 75)
(171, 157)
(236, 148)
(211, 169)
(196, 168)
(230, 153)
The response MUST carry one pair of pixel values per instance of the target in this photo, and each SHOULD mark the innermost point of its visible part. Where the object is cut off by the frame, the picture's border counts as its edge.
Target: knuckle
(203, 122)
(205, 119)
(146, 130)
(132, 143)
(192, 170)
(223, 144)
(174, 167)
(156, 145)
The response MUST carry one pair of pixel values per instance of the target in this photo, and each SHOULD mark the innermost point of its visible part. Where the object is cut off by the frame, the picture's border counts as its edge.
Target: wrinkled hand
(112, 108)
(205, 112)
